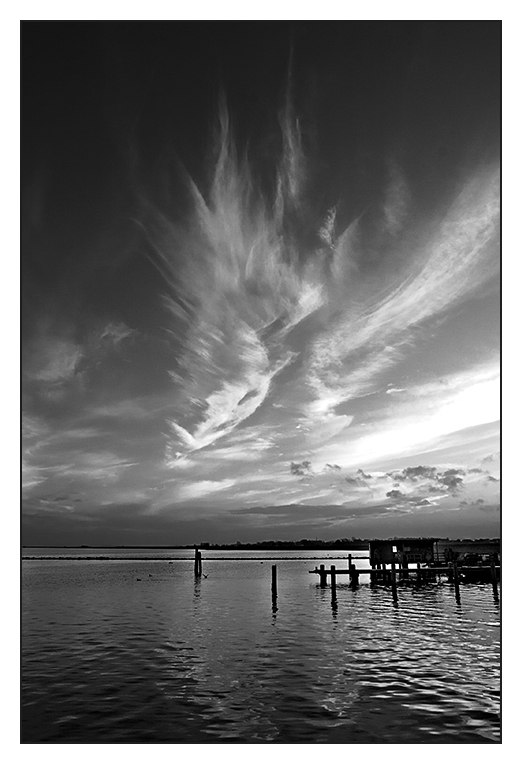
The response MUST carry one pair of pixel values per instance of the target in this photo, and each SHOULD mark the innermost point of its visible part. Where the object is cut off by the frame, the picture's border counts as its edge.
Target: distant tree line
(344, 543)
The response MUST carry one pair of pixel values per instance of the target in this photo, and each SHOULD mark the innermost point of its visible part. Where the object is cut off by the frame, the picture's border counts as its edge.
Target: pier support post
(333, 583)
(322, 576)
(419, 574)
(456, 580)
(494, 578)
(354, 576)
(393, 581)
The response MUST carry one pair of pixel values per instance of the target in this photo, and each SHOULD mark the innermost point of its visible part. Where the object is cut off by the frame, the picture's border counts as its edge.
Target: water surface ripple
(133, 651)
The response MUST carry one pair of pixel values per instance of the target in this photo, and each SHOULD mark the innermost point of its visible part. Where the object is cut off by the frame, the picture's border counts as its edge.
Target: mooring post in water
(322, 576)
(419, 574)
(274, 581)
(494, 578)
(197, 563)
(349, 561)
(393, 581)
(333, 583)
(456, 580)
(354, 575)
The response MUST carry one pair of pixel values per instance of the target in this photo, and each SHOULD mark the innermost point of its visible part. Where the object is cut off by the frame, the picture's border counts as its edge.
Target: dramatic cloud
(299, 312)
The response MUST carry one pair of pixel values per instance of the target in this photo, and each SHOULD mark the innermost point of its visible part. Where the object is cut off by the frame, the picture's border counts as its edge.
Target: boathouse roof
(404, 539)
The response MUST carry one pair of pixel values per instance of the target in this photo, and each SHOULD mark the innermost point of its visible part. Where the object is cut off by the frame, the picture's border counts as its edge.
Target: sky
(260, 281)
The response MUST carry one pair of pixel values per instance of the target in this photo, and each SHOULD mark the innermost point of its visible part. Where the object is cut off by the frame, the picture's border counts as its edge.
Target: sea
(128, 646)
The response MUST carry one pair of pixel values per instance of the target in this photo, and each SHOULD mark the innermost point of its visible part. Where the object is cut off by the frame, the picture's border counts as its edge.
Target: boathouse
(403, 551)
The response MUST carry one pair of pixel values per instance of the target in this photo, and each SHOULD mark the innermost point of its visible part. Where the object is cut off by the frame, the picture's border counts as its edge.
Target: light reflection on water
(110, 658)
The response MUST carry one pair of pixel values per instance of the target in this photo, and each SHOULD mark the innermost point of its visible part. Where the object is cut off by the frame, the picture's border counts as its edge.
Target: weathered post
(494, 577)
(419, 574)
(274, 581)
(393, 581)
(197, 563)
(456, 579)
(322, 576)
(349, 561)
(354, 575)
(333, 583)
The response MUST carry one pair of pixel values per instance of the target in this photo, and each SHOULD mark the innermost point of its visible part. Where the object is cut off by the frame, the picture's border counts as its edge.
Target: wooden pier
(391, 573)
(416, 561)
(400, 572)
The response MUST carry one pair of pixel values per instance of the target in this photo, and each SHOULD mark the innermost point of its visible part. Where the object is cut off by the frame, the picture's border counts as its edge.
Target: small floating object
(138, 579)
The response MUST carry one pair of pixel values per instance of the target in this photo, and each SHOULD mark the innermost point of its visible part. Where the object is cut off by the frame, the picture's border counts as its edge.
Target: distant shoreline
(263, 546)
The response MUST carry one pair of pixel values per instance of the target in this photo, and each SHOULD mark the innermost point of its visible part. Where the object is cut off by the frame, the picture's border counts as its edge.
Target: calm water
(110, 658)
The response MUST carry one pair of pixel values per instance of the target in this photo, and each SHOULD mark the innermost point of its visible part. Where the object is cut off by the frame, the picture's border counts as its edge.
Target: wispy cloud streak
(239, 285)
(242, 281)
(451, 266)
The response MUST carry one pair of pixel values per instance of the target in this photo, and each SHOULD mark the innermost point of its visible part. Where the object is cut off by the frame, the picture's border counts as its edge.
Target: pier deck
(393, 574)
(407, 571)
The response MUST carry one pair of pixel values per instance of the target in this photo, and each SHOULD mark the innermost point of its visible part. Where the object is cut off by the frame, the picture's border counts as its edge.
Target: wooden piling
(393, 581)
(419, 574)
(274, 581)
(333, 583)
(197, 563)
(322, 576)
(456, 579)
(494, 578)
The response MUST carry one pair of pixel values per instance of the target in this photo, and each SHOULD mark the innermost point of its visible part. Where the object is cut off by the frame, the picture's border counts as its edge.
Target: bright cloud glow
(295, 329)
(202, 488)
